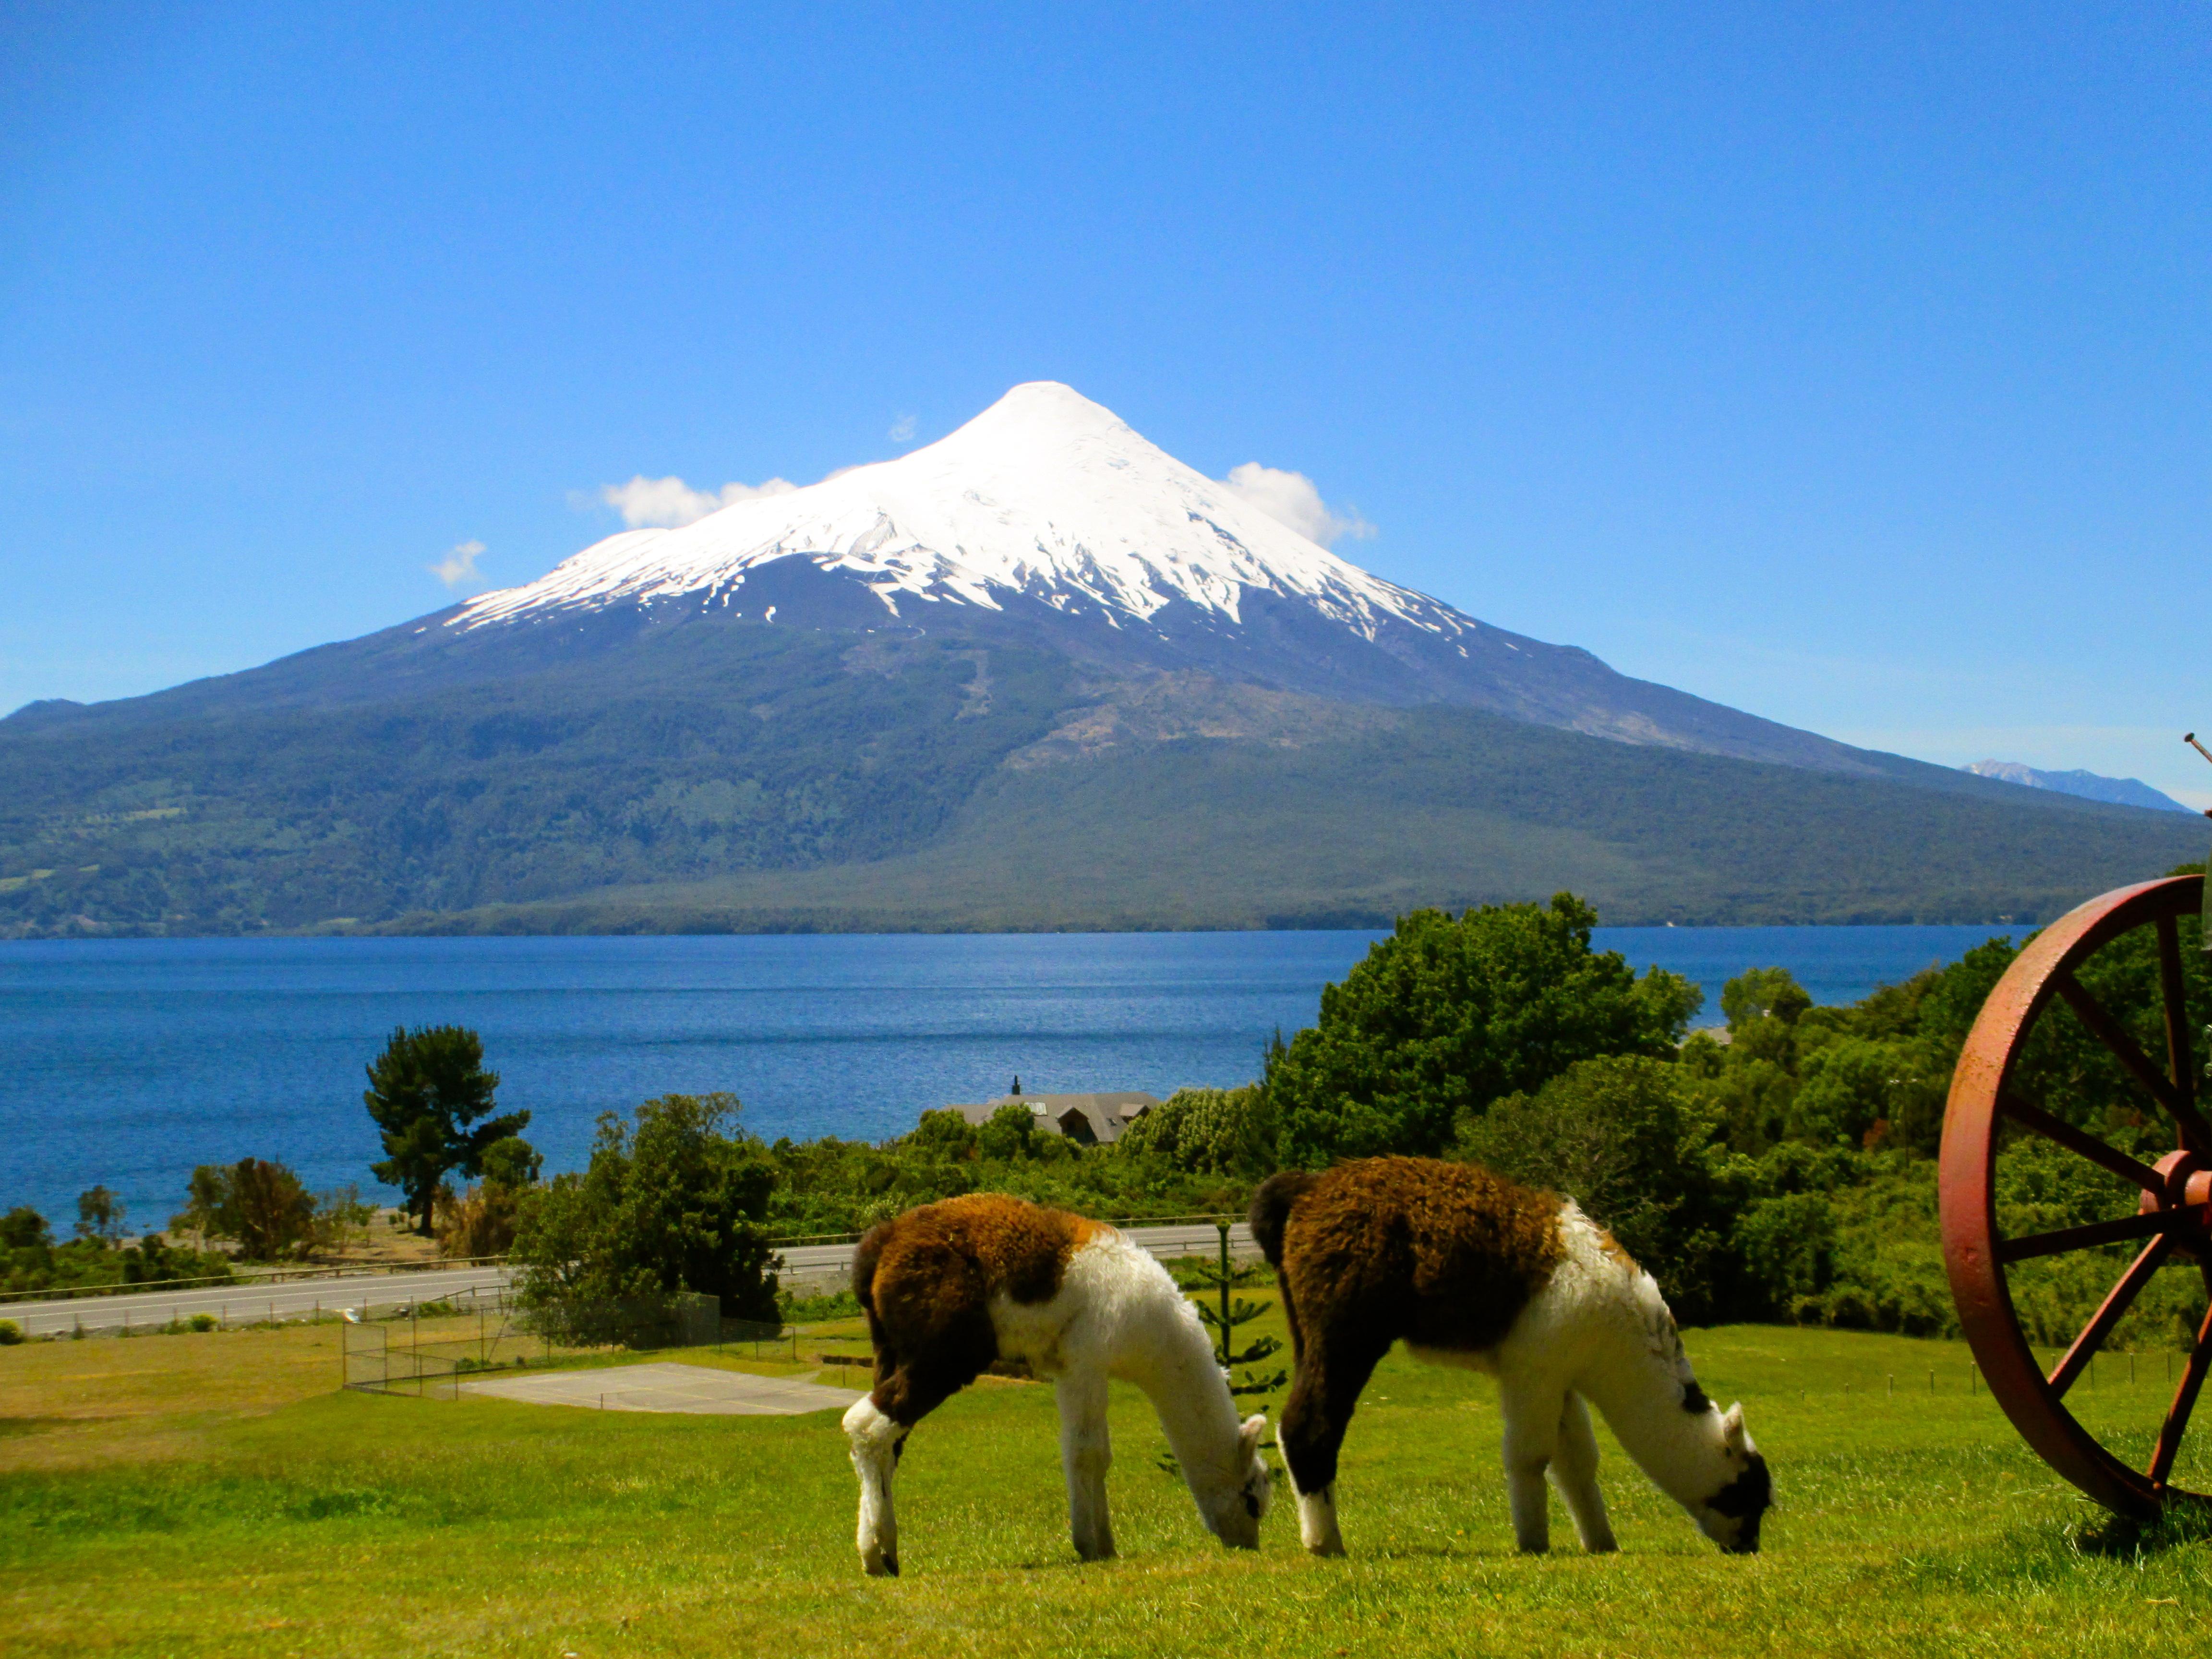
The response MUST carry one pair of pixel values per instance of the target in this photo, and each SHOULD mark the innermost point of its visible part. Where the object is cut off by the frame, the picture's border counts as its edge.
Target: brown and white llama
(1469, 1269)
(950, 1287)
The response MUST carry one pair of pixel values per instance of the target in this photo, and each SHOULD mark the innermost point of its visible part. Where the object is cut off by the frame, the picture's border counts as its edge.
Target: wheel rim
(2172, 1213)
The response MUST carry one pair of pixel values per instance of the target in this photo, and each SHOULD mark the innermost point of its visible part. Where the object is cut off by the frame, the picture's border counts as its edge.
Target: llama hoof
(1323, 1548)
(879, 1564)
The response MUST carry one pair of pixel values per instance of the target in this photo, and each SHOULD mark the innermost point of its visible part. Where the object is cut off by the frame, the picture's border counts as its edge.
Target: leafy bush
(30, 1260)
(1217, 1132)
(10, 1332)
(673, 1203)
(1448, 1014)
(258, 1202)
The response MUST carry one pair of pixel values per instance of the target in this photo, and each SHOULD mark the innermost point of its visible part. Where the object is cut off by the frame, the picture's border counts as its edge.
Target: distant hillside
(942, 785)
(2089, 786)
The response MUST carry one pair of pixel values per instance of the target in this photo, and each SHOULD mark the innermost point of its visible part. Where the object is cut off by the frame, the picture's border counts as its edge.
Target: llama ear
(1247, 1438)
(1732, 1426)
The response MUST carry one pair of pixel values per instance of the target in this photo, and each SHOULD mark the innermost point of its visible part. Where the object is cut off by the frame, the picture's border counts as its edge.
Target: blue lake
(128, 1062)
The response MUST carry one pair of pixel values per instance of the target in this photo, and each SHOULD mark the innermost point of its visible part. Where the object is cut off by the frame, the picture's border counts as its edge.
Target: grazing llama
(951, 1287)
(1469, 1269)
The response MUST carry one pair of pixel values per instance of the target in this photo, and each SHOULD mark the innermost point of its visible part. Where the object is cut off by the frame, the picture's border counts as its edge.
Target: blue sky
(1848, 365)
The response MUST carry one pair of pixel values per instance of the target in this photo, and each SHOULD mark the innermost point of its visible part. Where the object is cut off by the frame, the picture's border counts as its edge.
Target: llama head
(1233, 1514)
(1740, 1489)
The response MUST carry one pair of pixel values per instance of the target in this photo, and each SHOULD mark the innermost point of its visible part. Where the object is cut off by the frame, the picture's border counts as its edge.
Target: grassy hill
(215, 1494)
(765, 778)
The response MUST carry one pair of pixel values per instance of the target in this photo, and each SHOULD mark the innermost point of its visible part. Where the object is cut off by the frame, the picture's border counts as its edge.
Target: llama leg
(1574, 1472)
(1532, 1433)
(1314, 1419)
(876, 1439)
(878, 1427)
(1086, 1453)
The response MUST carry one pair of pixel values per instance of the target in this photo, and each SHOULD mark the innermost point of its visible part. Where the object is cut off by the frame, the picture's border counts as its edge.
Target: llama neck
(1639, 1393)
(1168, 1354)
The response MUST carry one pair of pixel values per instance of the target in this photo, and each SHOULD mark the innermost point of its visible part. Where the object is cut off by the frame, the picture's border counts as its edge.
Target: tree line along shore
(1780, 1167)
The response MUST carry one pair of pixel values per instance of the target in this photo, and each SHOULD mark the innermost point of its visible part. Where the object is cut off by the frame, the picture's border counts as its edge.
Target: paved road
(239, 1305)
(804, 1264)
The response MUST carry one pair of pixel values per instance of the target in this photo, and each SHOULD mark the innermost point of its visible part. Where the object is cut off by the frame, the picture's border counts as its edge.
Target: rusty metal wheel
(2171, 1212)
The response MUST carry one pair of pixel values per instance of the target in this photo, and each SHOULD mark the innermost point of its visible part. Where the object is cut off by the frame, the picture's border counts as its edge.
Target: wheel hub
(2188, 1178)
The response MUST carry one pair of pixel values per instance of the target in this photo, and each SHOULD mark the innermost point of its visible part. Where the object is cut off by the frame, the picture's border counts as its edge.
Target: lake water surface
(129, 1061)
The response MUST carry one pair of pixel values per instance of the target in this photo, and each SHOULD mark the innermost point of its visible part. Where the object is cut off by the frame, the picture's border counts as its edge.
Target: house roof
(1092, 1117)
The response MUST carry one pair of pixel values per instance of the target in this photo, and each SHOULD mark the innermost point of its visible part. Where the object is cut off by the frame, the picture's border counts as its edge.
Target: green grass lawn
(213, 1494)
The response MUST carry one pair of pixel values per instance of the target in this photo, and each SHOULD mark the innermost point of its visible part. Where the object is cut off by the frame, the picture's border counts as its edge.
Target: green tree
(1208, 1132)
(260, 1203)
(1637, 1144)
(426, 1091)
(1009, 1133)
(1448, 1014)
(943, 1133)
(512, 1163)
(99, 1215)
(1763, 993)
(673, 1202)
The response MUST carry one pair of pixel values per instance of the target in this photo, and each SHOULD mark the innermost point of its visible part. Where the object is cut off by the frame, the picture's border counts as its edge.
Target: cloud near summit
(1288, 497)
(1293, 499)
(670, 503)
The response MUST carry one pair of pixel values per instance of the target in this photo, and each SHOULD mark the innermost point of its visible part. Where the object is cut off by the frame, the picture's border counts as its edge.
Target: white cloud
(902, 430)
(459, 567)
(1292, 498)
(670, 503)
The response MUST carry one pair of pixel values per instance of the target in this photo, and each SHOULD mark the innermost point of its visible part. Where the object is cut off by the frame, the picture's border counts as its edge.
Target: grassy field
(215, 1494)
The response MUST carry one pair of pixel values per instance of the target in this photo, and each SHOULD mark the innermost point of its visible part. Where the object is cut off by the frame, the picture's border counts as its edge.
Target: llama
(951, 1287)
(1469, 1269)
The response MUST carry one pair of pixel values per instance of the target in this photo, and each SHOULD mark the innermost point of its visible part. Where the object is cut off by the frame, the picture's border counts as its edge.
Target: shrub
(946, 1134)
(1208, 1132)
(1448, 1014)
(202, 1322)
(10, 1332)
(481, 1222)
(257, 1201)
(671, 1204)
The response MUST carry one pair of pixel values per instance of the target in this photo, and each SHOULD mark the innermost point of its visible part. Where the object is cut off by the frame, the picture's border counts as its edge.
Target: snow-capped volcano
(1044, 495)
(1047, 522)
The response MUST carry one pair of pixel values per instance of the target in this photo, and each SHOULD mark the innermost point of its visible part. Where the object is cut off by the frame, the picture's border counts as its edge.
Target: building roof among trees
(1093, 1118)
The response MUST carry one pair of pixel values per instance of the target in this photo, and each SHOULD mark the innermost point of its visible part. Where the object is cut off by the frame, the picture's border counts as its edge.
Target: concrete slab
(668, 1387)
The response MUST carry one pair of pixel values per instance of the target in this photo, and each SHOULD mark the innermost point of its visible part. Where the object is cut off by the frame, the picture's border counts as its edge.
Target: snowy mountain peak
(1045, 495)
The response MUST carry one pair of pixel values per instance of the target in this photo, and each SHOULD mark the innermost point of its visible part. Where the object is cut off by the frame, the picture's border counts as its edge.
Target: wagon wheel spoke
(2130, 1053)
(2088, 1146)
(2123, 1296)
(2086, 1237)
(2178, 1066)
(2184, 1402)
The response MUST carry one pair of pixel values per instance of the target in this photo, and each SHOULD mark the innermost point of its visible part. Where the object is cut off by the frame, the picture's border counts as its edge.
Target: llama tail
(1271, 1211)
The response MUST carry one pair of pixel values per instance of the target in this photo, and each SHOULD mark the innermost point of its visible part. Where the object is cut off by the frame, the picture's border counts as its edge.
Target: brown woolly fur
(1271, 1211)
(925, 1278)
(1441, 1255)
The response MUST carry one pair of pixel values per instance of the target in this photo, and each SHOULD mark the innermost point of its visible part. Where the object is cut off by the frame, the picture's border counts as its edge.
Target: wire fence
(396, 1356)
